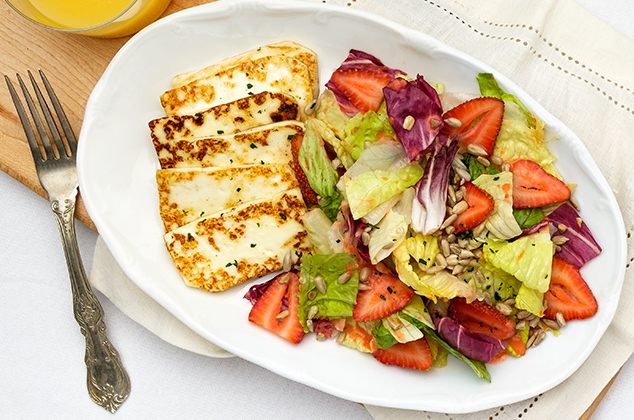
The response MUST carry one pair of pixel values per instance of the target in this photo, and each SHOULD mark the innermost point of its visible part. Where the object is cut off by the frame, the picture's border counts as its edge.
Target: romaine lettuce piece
(381, 172)
(368, 127)
(501, 223)
(528, 258)
(330, 114)
(531, 300)
(329, 136)
(318, 226)
(338, 299)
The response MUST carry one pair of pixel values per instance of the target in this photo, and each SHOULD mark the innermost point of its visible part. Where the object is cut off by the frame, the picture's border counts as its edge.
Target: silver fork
(108, 382)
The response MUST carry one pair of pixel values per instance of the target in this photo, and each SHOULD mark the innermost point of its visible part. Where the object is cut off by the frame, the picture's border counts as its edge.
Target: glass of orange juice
(100, 18)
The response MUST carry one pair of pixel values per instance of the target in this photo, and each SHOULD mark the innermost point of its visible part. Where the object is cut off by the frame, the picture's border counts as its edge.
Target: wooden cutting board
(73, 64)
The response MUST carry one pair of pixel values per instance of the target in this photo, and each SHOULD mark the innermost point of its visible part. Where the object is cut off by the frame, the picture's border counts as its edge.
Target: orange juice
(103, 18)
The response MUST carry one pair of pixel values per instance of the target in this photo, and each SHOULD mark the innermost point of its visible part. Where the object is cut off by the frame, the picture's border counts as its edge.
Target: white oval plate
(117, 163)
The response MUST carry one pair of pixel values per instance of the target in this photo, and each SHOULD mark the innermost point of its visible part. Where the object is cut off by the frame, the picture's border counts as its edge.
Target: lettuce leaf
(369, 127)
(318, 226)
(501, 222)
(528, 258)
(339, 299)
(381, 172)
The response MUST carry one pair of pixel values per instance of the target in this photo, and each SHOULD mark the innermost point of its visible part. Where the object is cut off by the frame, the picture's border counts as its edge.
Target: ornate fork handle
(108, 382)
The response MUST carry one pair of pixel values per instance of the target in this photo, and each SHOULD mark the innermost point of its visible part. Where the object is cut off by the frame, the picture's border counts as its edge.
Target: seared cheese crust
(260, 145)
(232, 117)
(271, 73)
(238, 244)
(189, 194)
(287, 48)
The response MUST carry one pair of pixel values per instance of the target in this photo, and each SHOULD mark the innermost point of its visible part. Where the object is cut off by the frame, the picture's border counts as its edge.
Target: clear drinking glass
(99, 18)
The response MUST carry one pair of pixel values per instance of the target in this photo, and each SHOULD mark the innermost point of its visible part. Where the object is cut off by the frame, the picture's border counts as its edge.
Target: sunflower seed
(344, 277)
(287, 262)
(523, 314)
(310, 325)
(285, 278)
(559, 239)
(340, 337)
(451, 193)
(520, 326)
(364, 274)
(477, 253)
(282, 314)
(440, 260)
(457, 269)
(320, 284)
(477, 231)
(455, 248)
(463, 174)
(460, 207)
(510, 302)
(476, 150)
(435, 269)
(483, 161)
(312, 312)
(579, 221)
(540, 337)
(506, 167)
(503, 308)
(394, 322)
(531, 340)
(574, 203)
(449, 230)
(365, 238)
(465, 253)
(453, 122)
(550, 323)
(434, 123)
(452, 259)
(408, 123)
(479, 277)
(560, 319)
(496, 160)
(534, 322)
(312, 295)
(444, 247)
(562, 228)
(451, 238)
(363, 286)
(449, 220)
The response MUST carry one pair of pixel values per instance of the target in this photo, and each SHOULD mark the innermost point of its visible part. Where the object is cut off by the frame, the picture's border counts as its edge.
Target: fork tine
(44, 137)
(61, 115)
(26, 124)
(57, 142)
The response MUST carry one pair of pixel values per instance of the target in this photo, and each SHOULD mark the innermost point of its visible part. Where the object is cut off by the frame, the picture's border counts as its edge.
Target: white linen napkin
(575, 66)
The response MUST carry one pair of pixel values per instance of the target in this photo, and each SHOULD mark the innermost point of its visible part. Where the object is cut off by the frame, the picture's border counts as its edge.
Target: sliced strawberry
(481, 119)
(480, 317)
(387, 294)
(568, 293)
(265, 312)
(412, 355)
(310, 196)
(363, 87)
(515, 345)
(481, 204)
(534, 187)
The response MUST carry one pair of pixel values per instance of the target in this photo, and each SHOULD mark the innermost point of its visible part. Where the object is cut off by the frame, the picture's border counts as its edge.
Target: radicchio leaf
(358, 60)
(474, 345)
(429, 206)
(415, 113)
(581, 246)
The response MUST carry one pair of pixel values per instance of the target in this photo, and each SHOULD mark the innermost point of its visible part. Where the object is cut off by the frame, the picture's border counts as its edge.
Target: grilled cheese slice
(260, 145)
(277, 73)
(189, 194)
(286, 48)
(239, 115)
(241, 243)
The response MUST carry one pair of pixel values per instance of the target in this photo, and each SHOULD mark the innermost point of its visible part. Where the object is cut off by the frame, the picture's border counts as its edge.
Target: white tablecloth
(42, 374)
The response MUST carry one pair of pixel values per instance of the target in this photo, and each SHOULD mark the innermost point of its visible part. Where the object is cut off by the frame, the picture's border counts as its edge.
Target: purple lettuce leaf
(357, 60)
(581, 246)
(474, 345)
(415, 112)
(429, 207)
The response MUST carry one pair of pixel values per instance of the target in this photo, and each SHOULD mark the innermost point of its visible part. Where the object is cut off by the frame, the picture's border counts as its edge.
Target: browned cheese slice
(286, 48)
(189, 194)
(239, 115)
(277, 73)
(260, 145)
(241, 243)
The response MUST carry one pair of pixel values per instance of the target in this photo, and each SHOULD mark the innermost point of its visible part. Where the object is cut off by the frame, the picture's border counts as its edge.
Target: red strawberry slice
(265, 312)
(480, 317)
(363, 87)
(481, 204)
(569, 293)
(387, 294)
(412, 355)
(534, 187)
(310, 196)
(481, 119)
